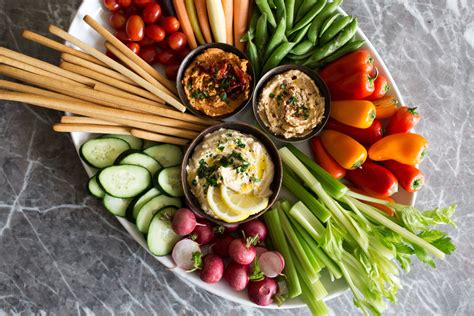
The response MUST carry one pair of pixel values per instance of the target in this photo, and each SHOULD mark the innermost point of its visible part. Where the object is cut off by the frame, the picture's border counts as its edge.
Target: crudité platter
(292, 175)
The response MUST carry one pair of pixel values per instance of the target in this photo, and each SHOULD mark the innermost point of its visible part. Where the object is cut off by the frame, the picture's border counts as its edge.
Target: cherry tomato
(134, 47)
(146, 41)
(111, 5)
(170, 24)
(177, 40)
(163, 44)
(122, 36)
(183, 52)
(117, 20)
(166, 57)
(142, 3)
(151, 13)
(135, 28)
(124, 3)
(131, 10)
(171, 71)
(155, 32)
(148, 54)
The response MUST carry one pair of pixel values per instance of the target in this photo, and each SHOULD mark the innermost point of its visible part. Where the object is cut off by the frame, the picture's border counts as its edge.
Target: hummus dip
(216, 82)
(290, 104)
(238, 170)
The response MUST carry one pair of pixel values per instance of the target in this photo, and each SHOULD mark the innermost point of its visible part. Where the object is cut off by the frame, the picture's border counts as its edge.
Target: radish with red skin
(183, 253)
(230, 228)
(221, 245)
(184, 221)
(237, 276)
(242, 251)
(203, 233)
(212, 268)
(259, 250)
(255, 227)
(262, 292)
(271, 263)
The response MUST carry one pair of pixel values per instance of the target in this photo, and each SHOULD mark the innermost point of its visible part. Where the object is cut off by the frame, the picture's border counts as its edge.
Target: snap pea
(328, 22)
(340, 40)
(346, 49)
(253, 56)
(339, 24)
(280, 10)
(261, 32)
(290, 11)
(304, 7)
(264, 7)
(271, 4)
(302, 57)
(309, 16)
(275, 40)
(277, 56)
(302, 48)
(298, 36)
(318, 21)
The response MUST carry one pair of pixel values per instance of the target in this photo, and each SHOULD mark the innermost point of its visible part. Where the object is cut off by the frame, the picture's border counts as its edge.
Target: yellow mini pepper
(406, 148)
(344, 149)
(356, 113)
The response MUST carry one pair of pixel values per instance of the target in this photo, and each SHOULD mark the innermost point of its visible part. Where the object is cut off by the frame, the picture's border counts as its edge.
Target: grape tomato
(148, 54)
(171, 71)
(177, 41)
(151, 13)
(165, 57)
(134, 47)
(142, 3)
(124, 3)
(122, 36)
(135, 28)
(170, 24)
(117, 20)
(111, 5)
(146, 41)
(155, 32)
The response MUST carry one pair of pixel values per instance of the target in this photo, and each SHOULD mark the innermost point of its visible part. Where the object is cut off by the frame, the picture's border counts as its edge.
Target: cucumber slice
(102, 152)
(148, 210)
(169, 180)
(134, 142)
(149, 143)
(166, 154)
(124, 181)
(142, 200)
(139, 159)
(94, 188)
(116, 206)
(161, 238)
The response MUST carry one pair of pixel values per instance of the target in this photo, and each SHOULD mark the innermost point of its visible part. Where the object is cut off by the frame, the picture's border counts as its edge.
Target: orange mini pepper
(386, 107)
(355, 113)
(406, 148)
(348, 153)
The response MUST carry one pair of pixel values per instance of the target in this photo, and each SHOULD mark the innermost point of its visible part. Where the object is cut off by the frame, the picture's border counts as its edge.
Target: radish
(262, 292)
(271, 263)
(221, 245)
(184, 221)
(212, 268)
(183, 253)
(255, 228)
(237, 276)
(259, 250)
(229, 228)
(242, 251)
(203, 233)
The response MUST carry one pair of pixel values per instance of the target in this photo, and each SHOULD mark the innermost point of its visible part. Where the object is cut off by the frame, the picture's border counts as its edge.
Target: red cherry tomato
(117, 20)
(171, 71)
(135, 28)
(166, 57)
(177, 40)
(122, 36)
(134, 47)
(131, 10)
(183, 52)
(142, 3)
(124, 3)
(151, 13)
(163, 44)
(146, 41)
(111, 5)
(155, 32)
(170, 24)
(148, 54)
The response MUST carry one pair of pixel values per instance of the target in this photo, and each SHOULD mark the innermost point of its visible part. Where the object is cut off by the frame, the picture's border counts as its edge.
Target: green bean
(318, 21)
(304, 8)
(277, 56)
(302, 48)
(261, 32)
(328, 22)
(264, 7)
(340, 40)
(253, 56)
(275, 40)
(280, 10)
(309, 16)
(346, 49)
(339, 24)
(298, 36)
(290, 11)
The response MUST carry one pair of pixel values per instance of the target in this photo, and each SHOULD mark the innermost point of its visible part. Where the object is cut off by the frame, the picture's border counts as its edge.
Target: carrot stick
(185, 23)
(203, 20)
(241, 9)
(228, 7)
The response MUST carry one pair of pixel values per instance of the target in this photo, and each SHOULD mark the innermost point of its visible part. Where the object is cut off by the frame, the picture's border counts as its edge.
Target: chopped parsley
(239, 143)
(271, 95)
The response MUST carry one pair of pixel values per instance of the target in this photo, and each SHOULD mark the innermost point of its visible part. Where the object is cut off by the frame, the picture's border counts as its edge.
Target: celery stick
(279, 241)
(317, 307)
(305, 218)
(316, 289)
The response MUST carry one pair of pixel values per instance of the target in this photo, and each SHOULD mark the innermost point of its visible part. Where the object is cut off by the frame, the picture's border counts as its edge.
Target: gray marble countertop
(62, 253)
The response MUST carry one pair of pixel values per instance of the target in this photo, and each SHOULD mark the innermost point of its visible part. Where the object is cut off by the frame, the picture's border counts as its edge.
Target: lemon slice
(243, 203)
(220, 209)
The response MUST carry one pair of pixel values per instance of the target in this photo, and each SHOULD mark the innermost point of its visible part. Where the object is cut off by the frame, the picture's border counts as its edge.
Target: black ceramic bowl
(323, 90)
(191, 200)
(189, 59)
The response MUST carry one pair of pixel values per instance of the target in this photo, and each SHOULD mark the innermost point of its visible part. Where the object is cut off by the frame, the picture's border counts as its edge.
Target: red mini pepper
(322, 157)
(381, 87)
(403, 120)
(374, 179)
(365, 136)
(411, 178)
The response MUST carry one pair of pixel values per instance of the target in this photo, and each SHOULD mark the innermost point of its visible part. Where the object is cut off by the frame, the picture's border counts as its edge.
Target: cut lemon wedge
(243, 203)
(220, 208)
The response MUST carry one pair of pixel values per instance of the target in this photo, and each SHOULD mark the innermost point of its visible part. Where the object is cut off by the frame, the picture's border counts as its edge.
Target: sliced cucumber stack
(94, 188)
(161, 238)
(169, 181)
(102, 152)
(116, 206)
(166, 154)
(142, 200)
(124, 181)
(152, 207)
(134, 142)
(140, 159)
